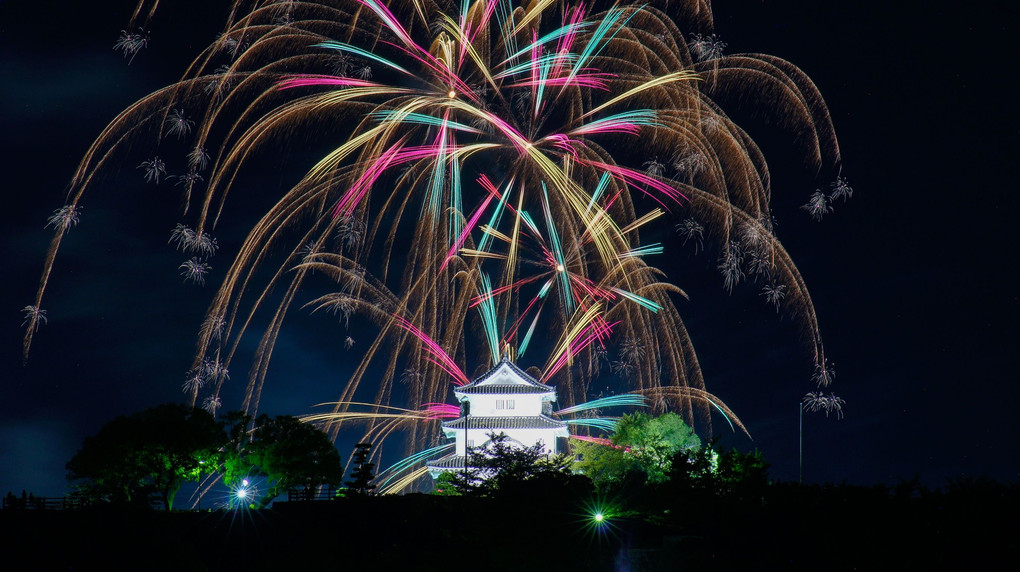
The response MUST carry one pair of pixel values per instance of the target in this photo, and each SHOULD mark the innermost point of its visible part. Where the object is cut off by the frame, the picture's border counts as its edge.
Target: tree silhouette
(500, 465)
(285, 450)
(148, 454)
(361, 475)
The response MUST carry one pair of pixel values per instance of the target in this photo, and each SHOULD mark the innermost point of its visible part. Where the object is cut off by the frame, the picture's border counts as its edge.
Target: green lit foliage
(743, 474)
(694, 470)
(362, 475)
(604, 465)
(733, 475)
(444, 485)
(654, 440)
(501, 466)
(640, 444)
(284, 450)
(150, 454)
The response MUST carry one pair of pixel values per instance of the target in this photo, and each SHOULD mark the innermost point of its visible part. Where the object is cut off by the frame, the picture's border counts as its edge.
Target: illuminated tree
(284, 450)
(653, 441)
(641, 443)
(149, 454)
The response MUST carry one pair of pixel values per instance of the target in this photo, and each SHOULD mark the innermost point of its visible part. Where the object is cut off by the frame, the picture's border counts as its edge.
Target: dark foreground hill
(791, 528)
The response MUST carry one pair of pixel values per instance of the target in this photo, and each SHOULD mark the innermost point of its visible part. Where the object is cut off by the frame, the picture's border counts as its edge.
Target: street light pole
(467, 415)
(800, 445)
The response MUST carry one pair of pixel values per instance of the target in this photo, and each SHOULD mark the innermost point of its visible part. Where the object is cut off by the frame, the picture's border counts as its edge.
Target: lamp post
(467, 414)
(800, 445)
(816, 401)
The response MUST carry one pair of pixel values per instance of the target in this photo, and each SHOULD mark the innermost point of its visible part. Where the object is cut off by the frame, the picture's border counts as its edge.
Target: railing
(313, 494)
(32, 502)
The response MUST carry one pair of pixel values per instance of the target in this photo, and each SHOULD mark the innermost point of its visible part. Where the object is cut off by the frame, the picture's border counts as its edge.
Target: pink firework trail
(636, 179)
(597, 330)
(441, 358)
(360, 188)
(599, 441)
(440, 411)
(472, 222)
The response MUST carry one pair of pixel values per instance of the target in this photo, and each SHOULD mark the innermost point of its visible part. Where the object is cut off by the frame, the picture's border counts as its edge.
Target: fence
(313, 494)
(32, 502)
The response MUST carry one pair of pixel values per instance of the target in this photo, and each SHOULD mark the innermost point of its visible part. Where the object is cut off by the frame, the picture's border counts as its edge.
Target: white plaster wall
(525, 405)
(527, 437)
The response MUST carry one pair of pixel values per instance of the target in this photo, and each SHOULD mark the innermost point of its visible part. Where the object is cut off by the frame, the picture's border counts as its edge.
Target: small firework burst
(622, 368)
(691, 230)
(774, 294)
(212, 404)
(194, 381)
(213, 371)
(705, 47)
(214, 327)
(350, 231)
(653, 167)
(231, 45)
(753, 236)
(761, 262)
(189, 240)
(689, 164)
(64, 218)
(34, 317)
(840, 189)
(131, 43)
(341, 64)
(155, 170)
(188, 179)
(824, 375)
(219, 82)
(411, 376)
(355, 278)
(816, 401)
(198, 159)
(817, 205)
(177, 123)
(632, 350)
(194, 270)
(343, 306)
(731, 266)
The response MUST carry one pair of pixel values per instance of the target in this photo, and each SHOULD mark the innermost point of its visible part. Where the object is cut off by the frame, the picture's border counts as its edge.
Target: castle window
(504, 404)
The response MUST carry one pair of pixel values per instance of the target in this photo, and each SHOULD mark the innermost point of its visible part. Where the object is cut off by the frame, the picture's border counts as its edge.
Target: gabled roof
(531, 422)
(451, 461)
(515, 389)
(506, 377)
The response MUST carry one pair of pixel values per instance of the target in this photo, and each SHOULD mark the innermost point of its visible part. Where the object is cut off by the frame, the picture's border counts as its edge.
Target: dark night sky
(912, 279)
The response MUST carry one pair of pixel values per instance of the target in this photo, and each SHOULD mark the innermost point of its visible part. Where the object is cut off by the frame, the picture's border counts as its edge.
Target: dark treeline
(651, 498)
(541, 527)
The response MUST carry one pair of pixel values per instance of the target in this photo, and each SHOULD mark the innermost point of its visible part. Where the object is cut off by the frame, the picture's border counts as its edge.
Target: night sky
(913, 279)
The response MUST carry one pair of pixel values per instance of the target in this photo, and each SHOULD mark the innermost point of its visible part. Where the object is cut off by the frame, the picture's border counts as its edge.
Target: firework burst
(498, 163)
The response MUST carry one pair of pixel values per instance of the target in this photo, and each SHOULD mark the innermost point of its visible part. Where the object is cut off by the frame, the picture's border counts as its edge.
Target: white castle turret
(503, 400)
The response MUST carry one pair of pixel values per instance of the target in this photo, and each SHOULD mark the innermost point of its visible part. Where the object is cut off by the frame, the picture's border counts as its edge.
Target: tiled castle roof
(514, 388)
(532, 422)
(448, 462)
(482, 384)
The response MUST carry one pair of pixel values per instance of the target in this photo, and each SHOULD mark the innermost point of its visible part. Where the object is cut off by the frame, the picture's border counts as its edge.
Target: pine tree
(361, 476)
